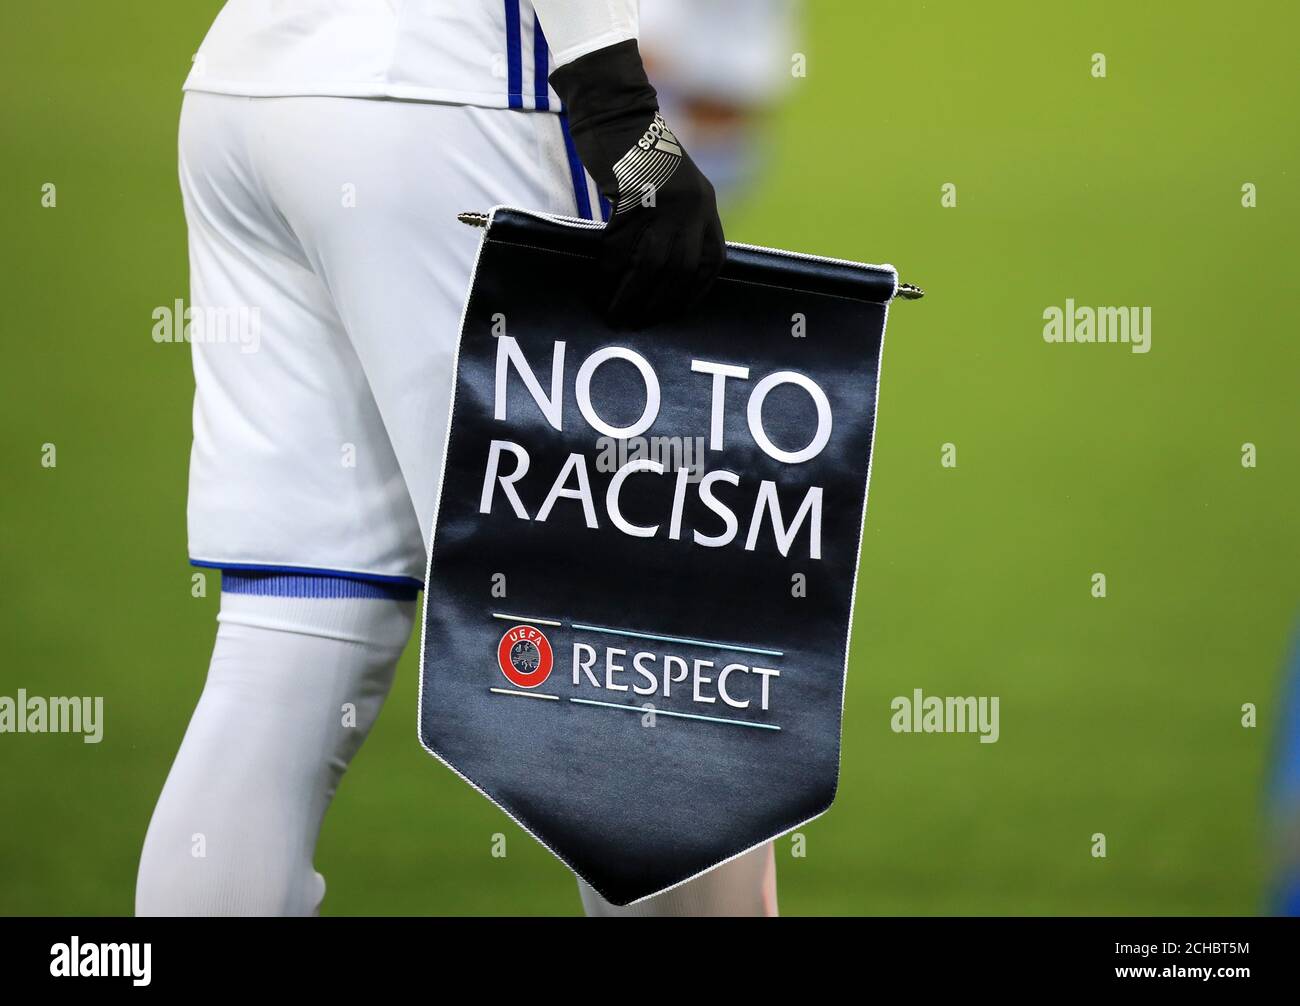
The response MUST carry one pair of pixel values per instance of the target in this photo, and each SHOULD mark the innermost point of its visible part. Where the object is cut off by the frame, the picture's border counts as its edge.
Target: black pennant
(638, 605)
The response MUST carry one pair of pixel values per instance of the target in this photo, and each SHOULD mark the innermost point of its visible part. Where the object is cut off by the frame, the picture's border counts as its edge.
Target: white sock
(745, 886)
(294, 687)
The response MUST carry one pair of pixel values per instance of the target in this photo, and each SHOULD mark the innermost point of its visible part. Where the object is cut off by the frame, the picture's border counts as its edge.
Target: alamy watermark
(237, 325)
(946, 714)
(674, 453)
(60, 714)
(1071, 323)
(77, 959)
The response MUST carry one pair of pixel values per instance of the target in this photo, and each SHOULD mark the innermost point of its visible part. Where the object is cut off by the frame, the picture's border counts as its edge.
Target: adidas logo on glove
(647, 165)
(660, 137)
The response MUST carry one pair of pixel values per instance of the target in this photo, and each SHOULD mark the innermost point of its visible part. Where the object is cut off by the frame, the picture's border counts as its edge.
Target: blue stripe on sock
(514, 56)
(540, 92)
(311, 585)
(577, 171)
(408, 582)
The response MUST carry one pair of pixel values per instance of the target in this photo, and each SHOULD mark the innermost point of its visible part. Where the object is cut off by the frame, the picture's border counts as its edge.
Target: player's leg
(746, 886)
(291, 467)
(300, 669)
(396, 261)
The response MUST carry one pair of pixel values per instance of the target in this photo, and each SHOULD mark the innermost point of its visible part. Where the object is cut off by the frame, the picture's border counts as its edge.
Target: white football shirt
(471, 52)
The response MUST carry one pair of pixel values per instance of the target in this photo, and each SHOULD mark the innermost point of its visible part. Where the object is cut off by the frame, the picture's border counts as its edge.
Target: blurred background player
(1285, 799)
(719, 67)
(326, 147)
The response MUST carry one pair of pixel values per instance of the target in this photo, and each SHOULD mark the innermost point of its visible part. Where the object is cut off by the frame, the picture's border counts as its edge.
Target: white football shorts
(328, 274)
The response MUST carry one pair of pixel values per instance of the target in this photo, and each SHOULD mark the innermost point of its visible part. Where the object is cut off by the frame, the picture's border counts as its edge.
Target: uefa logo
(524, 656)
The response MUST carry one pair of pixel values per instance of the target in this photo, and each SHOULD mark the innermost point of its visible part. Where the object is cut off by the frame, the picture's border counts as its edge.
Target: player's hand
(663, 246)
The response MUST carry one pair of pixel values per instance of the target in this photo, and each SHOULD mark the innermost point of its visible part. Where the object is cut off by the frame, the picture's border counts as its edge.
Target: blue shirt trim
(541, 93)
(577, 171)
(514, 56)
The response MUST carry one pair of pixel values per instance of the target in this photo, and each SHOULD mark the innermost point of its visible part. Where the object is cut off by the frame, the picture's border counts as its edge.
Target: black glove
(663, 245)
